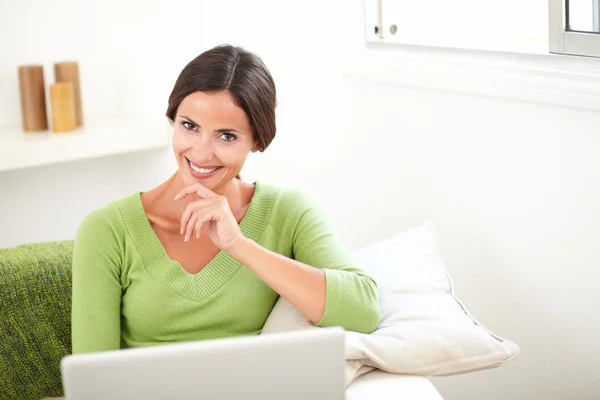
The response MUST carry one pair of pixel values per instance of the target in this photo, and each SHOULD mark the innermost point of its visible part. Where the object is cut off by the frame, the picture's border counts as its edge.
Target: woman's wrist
(241, 248)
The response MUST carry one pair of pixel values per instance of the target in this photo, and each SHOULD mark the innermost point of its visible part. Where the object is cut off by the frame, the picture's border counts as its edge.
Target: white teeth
(202, 170)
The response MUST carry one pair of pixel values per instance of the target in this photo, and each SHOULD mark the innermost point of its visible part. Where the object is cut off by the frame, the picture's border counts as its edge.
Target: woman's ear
(255, 147)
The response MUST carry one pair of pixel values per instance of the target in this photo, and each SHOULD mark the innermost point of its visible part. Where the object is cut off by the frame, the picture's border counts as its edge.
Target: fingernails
(186, 238)
(181, 231)
(197, 235)
(176, 197)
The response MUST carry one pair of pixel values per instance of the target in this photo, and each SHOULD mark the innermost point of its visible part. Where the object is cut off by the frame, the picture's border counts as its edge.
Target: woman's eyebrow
(190, 120)
(225, 130)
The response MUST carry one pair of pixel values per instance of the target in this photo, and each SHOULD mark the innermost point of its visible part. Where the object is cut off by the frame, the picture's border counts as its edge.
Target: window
(532, 26)
(575, 27)
(470, 24)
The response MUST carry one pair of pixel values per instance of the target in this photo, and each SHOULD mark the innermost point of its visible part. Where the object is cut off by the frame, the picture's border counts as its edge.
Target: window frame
(564, 41)
(596, 11)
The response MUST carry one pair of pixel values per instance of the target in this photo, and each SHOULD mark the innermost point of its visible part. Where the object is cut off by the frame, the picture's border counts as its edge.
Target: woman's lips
(202, 172)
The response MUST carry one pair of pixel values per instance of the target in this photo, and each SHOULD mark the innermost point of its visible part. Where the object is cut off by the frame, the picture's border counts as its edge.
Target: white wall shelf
(98, 138)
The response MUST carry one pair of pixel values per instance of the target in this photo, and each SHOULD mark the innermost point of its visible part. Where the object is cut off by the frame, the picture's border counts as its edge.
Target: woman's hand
(210, 212)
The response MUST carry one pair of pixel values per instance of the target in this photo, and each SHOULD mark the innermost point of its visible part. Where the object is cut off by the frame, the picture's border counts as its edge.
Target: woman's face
(212, 138)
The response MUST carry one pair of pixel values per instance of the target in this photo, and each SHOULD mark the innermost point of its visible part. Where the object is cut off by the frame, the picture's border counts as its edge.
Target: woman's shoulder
(286, 196)
(297, 211)
(289, 203)
(110, 214)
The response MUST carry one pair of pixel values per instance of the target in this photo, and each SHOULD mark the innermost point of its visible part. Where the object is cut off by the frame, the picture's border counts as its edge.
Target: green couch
(35, 318)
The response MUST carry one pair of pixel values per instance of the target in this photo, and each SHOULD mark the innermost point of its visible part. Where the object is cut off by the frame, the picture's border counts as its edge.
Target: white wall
(512, 187)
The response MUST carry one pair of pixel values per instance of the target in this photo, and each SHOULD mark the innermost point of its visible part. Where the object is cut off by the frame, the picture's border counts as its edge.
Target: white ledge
(98, 138)
(566, 81)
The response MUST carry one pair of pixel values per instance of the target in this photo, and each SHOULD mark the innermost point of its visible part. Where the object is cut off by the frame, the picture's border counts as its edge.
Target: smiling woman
(206, 255)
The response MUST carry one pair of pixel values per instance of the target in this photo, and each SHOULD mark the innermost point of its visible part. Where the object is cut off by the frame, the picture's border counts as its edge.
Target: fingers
(185, 217)
(198, 188)
(195, 215)
(199, 212)
(189, 229)
(198, 227)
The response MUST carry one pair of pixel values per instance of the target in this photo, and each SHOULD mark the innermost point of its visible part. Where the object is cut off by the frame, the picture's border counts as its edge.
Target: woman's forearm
(300, 284)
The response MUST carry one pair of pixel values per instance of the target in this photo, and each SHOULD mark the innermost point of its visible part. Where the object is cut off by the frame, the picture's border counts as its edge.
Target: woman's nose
(202, 149)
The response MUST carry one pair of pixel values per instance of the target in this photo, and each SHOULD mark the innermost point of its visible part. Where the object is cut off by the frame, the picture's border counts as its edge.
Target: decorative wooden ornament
(62, 103)
(69, 72)
(33, 98)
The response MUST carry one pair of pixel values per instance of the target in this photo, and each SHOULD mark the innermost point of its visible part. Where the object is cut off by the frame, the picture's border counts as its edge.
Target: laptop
(306, 364)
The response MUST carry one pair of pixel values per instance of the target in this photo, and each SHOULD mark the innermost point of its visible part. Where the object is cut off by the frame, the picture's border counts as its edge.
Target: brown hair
(241, 73)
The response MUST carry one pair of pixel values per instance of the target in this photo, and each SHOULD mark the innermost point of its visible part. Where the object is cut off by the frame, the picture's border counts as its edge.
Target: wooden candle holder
(33, 98)
(69, 72)
(62, 102)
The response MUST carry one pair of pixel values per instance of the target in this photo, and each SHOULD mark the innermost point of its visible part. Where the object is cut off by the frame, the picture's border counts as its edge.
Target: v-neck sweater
(128, 292)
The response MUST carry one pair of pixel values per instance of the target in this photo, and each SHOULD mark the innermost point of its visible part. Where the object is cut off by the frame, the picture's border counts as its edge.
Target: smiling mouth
(205, 170)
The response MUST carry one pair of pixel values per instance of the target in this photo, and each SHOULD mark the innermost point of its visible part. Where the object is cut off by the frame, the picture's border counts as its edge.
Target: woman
(205, 255)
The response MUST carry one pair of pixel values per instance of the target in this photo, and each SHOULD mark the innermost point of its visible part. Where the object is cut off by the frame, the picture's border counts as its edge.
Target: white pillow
(285, 317)
(424, 329)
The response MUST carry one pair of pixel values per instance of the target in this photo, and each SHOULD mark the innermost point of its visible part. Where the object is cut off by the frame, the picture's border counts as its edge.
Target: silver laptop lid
(306, 364)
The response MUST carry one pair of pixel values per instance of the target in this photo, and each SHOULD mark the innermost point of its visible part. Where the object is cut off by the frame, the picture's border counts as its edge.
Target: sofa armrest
(380, 385)
(35, 318)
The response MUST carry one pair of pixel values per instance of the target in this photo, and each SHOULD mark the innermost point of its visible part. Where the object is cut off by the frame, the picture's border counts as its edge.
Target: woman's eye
(187, 125)
(229, 137)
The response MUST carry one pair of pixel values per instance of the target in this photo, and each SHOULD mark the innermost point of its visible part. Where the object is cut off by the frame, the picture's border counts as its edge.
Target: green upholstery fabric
(35, 318)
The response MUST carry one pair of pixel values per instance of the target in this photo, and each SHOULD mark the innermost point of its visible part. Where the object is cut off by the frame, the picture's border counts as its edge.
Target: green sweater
(127, 292)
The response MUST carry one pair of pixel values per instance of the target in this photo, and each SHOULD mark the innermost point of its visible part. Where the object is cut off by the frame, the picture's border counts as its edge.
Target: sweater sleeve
(96, 296)
(351, 295)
